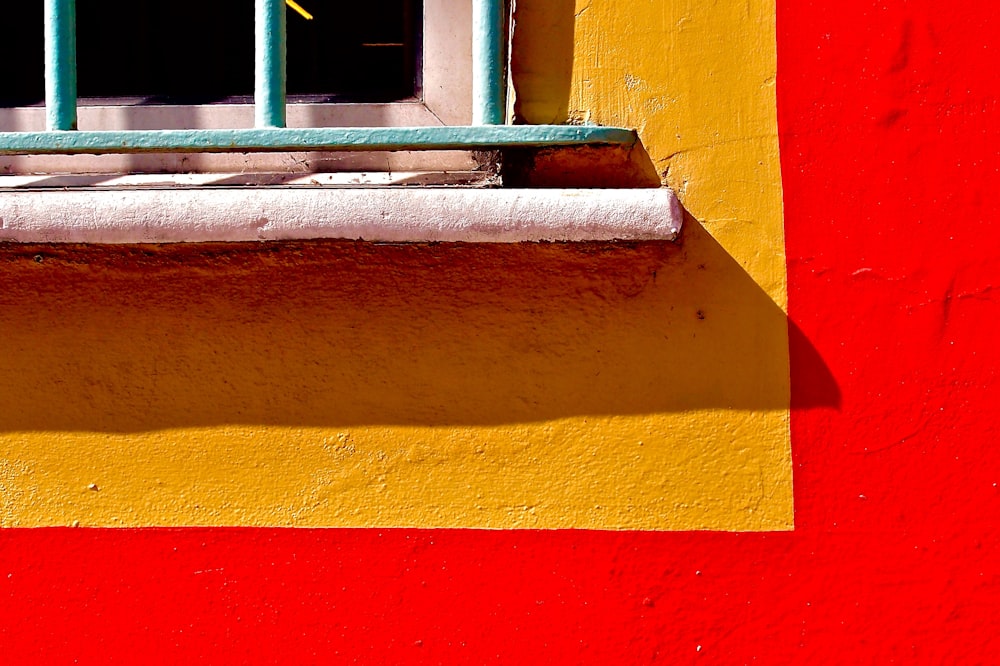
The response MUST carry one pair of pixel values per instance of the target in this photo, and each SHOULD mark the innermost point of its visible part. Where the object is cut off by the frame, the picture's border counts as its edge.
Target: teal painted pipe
(60, 64)
(270, 57)
(489, 62)
(315, 138)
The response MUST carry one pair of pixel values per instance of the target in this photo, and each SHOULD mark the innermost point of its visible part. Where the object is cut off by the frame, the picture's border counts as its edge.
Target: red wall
(888, 120)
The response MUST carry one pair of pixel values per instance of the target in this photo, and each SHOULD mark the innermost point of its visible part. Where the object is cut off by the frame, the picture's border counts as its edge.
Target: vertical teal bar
(269, 71)
(489, 62)
(60, 64)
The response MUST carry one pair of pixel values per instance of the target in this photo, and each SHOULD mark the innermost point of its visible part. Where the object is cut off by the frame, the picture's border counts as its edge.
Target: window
(151, 65)
(443, 93)
(128, 52)
(451, 28)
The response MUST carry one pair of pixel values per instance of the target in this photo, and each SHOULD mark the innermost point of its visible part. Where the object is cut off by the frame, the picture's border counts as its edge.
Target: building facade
(769, 440)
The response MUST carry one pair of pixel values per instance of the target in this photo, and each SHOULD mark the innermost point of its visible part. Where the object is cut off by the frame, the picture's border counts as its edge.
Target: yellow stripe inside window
(297, 7)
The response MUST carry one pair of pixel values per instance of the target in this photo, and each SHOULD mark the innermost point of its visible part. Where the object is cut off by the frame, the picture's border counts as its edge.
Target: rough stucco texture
(516, 387)
(886, 117)
(359, 385)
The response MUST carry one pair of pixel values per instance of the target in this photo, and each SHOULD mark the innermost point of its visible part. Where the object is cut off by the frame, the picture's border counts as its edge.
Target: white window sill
(378, 214)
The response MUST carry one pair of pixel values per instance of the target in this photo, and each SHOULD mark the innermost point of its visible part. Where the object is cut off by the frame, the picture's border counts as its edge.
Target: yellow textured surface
(335, 384)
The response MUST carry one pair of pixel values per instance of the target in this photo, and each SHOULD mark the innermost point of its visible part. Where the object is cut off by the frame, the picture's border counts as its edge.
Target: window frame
(444, 98)
(124, 213)
(488, 132)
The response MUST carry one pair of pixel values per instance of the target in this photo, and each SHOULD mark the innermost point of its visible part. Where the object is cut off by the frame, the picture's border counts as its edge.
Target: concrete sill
(386, 214)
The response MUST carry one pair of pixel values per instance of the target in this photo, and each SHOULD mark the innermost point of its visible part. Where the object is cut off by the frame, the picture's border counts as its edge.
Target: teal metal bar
(60, 64)
(489, 62)
(317, 138)
(269, 70)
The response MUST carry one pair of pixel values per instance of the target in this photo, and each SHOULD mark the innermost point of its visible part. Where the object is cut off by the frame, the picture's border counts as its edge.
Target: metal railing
(488, 131)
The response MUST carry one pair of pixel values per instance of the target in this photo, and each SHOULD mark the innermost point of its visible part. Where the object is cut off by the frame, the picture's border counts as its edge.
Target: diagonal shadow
(124, 339)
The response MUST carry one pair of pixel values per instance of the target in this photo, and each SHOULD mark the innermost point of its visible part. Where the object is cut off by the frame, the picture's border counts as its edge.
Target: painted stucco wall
(329, 385)
(202, 386)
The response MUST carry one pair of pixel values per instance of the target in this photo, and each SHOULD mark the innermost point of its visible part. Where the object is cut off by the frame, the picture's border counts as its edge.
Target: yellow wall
(337, 384)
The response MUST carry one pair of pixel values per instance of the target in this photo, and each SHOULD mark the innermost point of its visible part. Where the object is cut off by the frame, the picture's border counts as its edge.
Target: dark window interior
(198, 52)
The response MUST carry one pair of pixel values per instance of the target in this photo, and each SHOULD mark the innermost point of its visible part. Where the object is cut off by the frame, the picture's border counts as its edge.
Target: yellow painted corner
(345, 384)
(696, 80)
(537, 386)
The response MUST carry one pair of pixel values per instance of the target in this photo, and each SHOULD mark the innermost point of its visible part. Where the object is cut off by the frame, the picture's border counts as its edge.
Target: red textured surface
(888, 115)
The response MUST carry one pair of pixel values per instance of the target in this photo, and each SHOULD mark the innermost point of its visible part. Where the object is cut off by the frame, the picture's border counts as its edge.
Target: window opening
(155, 52)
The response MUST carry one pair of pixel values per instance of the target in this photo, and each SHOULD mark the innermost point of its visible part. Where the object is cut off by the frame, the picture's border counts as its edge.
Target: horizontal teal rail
(487, 132)
(485, 137)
